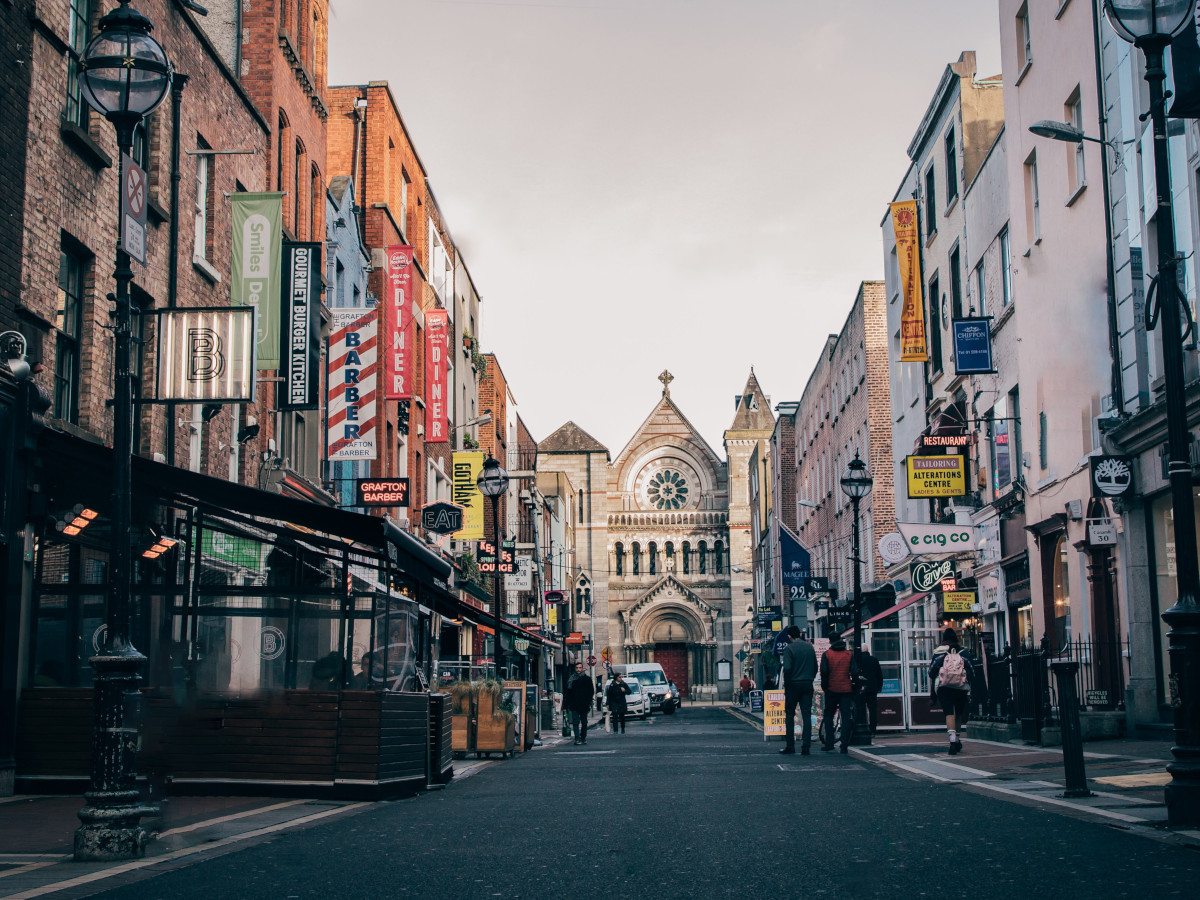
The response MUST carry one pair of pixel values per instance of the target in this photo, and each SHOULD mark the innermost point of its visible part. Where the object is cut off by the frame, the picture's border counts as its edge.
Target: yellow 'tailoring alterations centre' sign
(936, 476)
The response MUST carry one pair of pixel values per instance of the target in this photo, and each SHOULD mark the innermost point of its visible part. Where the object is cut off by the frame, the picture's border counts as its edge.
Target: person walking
(577, 700)
(839, 691)
(744, 687)
(615, 696)
(871, 684)
(953, 672)
(799, 668)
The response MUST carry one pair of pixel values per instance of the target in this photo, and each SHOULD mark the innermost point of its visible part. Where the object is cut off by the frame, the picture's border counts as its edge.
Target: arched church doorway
(670, 638)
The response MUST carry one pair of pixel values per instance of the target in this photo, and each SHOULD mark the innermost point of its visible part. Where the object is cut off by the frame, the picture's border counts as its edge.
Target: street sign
(591, 660)
(606, 655)
(893, 548)
(134, 196)
(741, 655)
(1102, 532)
(839, 615)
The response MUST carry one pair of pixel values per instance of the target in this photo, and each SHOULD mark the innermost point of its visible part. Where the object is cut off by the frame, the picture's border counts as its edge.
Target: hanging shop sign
(1102, 532)
(441, 518)
(255, 265)
(937, 441)
(437, 352)
(926, 576)
(972, 346)
(466, 494)
(553, 597)
(301, 351)
(1112, 476)
(397, 329)
(958, 601)
(490, 564)
(922, 539)
(797, 561)
(906, 226)
(353, 347)
(893, 548)
(522, 578)
(369, 492)
(206, 355)
(936, 476)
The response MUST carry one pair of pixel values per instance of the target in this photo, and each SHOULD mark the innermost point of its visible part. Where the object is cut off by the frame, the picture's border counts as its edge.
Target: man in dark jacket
(577, 701)
(871, 683)
(618, 706)
(799, 668)
(838, 687)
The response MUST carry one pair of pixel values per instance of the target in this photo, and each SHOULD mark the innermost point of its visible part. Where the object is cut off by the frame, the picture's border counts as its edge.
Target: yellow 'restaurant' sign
(774, 714)
(467, 495)
(936, 476)
(958, 601)
(908, 256)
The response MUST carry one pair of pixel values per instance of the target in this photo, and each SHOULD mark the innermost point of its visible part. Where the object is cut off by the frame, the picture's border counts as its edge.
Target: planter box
(495, 735)
(441, 754)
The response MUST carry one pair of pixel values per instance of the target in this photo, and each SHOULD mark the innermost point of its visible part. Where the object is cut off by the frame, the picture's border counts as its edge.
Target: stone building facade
(656, 539)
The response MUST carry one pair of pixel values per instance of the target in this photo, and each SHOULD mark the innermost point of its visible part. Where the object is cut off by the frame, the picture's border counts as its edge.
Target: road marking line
(20, 870)
(229, 818)
(177, 854)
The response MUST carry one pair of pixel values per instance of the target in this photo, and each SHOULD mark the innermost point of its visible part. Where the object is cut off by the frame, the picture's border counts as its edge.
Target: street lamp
(856, 484)
(124, 76)
(1150, 25)
(492, 482)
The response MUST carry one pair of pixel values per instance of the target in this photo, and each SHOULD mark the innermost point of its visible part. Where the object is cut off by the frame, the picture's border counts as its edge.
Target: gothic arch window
(718, 561)
(703, 557)
(620, 553)
(670, 556)
(637, 559)
(687, 558)
(653, 558)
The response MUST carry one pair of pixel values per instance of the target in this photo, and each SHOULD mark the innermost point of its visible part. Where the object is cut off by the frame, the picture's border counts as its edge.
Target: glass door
(885, 646)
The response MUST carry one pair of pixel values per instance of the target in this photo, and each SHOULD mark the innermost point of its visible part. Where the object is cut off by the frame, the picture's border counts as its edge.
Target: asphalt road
(693, 805)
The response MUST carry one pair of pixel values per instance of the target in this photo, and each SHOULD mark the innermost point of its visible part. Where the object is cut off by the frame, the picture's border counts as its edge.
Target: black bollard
(1072, 735)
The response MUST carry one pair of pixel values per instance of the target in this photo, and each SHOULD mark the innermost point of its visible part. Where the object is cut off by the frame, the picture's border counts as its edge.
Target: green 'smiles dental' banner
(257, 266)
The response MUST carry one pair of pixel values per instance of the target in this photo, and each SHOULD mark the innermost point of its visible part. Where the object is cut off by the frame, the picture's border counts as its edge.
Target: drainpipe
(177, 85)
(1114, 337)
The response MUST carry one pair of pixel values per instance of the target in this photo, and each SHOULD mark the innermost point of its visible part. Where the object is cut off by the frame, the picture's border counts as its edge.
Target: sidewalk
(1126, 777)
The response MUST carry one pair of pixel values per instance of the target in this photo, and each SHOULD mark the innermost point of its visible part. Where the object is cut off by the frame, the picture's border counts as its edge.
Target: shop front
(288, 645)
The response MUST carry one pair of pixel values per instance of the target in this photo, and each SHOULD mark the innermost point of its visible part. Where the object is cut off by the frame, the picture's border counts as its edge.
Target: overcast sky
(695, 185)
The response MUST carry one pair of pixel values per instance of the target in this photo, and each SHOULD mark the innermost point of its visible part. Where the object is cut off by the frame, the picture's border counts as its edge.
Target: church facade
(664, 540)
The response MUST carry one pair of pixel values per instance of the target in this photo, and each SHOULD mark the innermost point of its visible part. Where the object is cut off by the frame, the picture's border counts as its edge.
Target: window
(935, 326)
(72, 270)
(315, 194)
(1005, 269)
(981, 289)
(281, 147)
(930, 204)
(297, 194)
(653, 558)
(951, 168)
(687, 561)
(1024, 41)
(703, 557)
(1033, 212)
(1001, 448)
(620, 554)
(403, 211)
(1014, 431)
(440, 276)
(670, 556)
(637, 559)
(956, 292)
(204, 202)
(718, 560)
(1076, 175)
(81, 17)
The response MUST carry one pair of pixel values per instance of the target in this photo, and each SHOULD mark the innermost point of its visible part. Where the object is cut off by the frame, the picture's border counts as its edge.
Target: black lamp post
(1151, 25)
(856, 484)
(492, 482)
(124, 76)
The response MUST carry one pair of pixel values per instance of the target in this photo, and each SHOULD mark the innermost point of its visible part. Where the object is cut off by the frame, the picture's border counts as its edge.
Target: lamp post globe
(125, 75)
(856, 484)
(493, 482)
(1138, 21)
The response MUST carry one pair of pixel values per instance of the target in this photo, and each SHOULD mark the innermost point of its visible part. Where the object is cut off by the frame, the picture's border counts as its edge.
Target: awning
(907, 601)
(485, 629)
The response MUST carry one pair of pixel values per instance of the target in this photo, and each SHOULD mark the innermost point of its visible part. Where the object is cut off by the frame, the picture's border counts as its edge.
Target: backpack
(953, 673)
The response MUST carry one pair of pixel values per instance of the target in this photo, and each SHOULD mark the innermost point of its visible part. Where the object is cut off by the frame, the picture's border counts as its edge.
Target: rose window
(667, 490)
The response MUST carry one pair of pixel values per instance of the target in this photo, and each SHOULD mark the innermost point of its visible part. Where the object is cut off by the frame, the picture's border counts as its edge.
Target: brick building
(846, 410)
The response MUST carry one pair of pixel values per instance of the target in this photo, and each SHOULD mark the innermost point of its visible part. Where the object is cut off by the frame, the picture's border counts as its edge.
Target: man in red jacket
(839, 691)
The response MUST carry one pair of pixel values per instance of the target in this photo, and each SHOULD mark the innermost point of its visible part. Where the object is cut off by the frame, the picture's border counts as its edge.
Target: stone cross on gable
(666, 378)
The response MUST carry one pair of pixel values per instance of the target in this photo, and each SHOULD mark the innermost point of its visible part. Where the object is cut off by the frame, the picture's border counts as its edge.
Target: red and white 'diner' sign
(398, 352)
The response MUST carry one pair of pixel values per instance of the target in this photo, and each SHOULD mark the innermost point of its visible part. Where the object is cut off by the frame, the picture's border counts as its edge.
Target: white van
(654, 683)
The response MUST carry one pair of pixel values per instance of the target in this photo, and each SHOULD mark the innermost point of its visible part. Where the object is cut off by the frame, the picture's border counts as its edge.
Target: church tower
(753, 424)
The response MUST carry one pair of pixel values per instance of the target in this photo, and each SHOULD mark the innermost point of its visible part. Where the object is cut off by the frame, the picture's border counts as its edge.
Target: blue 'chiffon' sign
(972, 346)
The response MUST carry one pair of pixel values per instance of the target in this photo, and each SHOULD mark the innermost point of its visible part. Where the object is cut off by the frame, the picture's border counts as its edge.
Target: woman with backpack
(951, 672)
